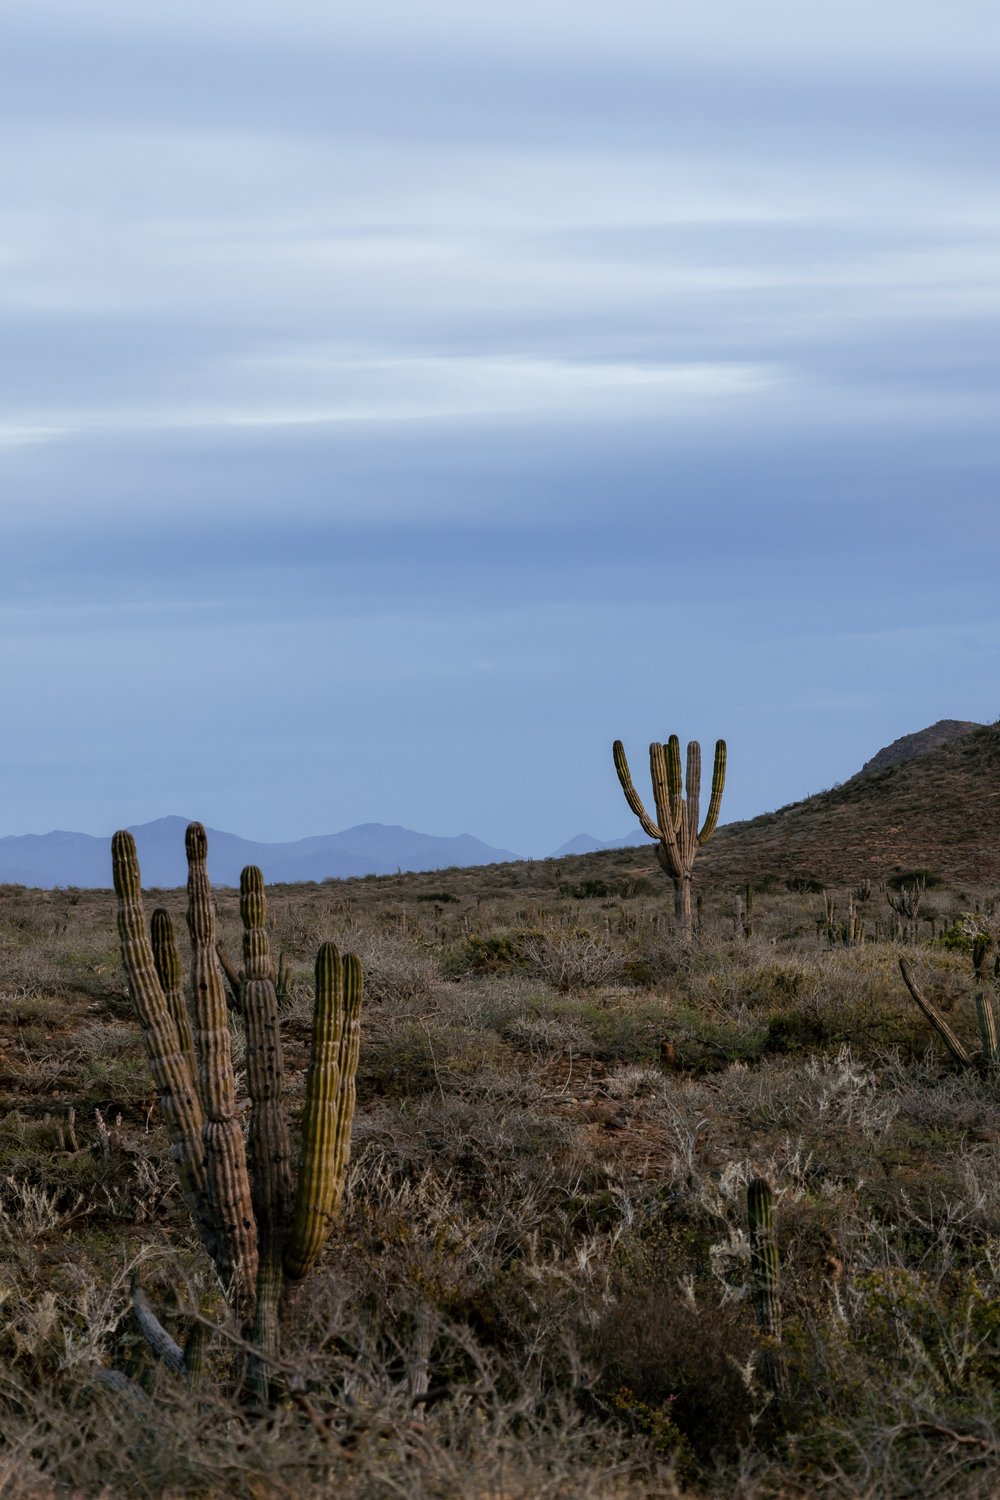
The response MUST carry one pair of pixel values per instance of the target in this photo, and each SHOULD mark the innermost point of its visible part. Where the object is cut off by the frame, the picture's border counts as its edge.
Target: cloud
(507, 377)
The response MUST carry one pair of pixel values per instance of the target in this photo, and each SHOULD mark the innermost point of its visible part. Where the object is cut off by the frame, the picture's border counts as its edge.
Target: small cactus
(678, 837)
(764, 1274)
(261, 1234)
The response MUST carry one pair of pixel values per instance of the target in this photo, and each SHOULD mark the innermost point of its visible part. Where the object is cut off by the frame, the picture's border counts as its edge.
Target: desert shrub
(571, 959)
(796, 1031)
(491, 954)
(671, 1370)
(586, 890)
(964, 932)
(804, 884)
(397, 969)
(905, 879)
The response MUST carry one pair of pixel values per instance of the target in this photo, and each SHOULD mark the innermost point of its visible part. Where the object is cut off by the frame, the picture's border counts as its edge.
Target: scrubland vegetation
(539, 1284)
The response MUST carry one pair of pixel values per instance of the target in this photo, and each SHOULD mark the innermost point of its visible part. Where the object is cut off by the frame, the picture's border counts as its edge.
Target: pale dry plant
(571, 959)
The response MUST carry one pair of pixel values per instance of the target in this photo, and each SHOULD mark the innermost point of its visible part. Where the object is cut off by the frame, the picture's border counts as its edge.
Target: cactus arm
(181, 1107)
(347, 1063)
(987, 1026)
(159, 1340)
(234, 979)
(715, 799)
(935, 1017)
(269, 1145)
(329, 1103)
(764, 1274)
(168, 971)
(225, 1152)
(693, 803)
(676, 786)
(631, 795)
(659, 771)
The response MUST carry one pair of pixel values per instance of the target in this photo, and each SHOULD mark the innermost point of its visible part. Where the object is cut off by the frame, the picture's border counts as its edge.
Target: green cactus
(168, 971)
(225, 1149)
(268, 1139)
(172, 1073)
(678, 837)
(261, 1236)
(764, 1277)
(326, 1126)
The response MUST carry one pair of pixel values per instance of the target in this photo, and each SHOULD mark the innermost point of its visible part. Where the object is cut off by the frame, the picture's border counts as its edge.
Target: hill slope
(937, 811)
(909, 746)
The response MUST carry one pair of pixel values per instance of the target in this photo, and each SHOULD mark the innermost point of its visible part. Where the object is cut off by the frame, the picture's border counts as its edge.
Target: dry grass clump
(541, 1282)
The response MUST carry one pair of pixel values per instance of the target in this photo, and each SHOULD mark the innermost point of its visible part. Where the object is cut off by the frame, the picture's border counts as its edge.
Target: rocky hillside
(909, 746)
(937, 810)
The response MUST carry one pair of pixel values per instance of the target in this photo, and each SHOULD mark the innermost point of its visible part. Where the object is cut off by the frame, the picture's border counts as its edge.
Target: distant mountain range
(585, 843)
(930, 799)
(79, 859)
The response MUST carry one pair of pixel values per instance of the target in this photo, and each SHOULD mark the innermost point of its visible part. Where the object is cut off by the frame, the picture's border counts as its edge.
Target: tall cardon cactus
(262, 1228)
(678, 837)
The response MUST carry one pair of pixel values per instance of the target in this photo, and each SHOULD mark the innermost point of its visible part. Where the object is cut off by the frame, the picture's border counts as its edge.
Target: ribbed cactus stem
(225, 1152)
(692, 806)
(764, 1275)
(172, 1074)
(676, 786)
(980, 948)
(326, 1122)
(987, 1027)
(715, 797)
(168, 970)
(269, 1145)
(671, 838)
(631, 795)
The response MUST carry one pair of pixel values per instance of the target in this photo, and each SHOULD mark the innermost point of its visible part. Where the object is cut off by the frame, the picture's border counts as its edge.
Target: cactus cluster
(262, 1231)
(851, 932)
(678, 837)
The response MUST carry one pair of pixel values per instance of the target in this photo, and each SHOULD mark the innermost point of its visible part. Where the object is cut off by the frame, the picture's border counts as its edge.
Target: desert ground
(539, 1282)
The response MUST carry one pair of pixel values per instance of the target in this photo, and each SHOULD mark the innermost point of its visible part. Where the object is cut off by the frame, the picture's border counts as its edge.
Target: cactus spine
(678, 837)
(243, 1209)
(765, 1282)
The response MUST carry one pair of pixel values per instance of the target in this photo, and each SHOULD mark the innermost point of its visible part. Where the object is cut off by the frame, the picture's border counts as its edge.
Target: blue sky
(397, 408)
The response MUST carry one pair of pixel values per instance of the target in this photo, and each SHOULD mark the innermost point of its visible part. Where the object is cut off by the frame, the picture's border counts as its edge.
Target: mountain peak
(909, 746)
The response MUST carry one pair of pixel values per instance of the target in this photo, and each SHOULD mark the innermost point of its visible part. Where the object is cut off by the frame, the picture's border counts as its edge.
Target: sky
(398, 407)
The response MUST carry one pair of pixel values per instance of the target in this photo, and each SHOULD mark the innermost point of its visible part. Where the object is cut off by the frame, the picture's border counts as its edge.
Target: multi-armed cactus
(262, 1232)
(678, 837)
